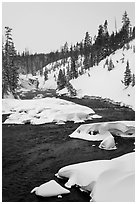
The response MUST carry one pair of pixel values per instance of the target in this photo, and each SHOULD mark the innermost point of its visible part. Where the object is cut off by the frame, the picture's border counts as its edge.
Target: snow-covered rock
(87, 175)
(38, 96)
(102, 130)
(108, 143)
(51, 188)
(62, 91)
(45, 110)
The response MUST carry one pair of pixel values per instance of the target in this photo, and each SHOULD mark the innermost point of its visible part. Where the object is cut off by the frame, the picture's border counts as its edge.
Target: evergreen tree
(76, 51)
(87, 51)
(68, 73)
(100, 37)
(105, 27)
(125, 27)
(133, 33)
(61, 81)
(87, 44)
(5, 79)
(81, 48)
(127, 75)
(110, 65)
(133, 80)
(9, 71)
(70, 89)
(106, 39)
(46, 74)
(65, 49)
(106, 63)
(73, 70)
(112, 42)
(86, 62)
(71, 51)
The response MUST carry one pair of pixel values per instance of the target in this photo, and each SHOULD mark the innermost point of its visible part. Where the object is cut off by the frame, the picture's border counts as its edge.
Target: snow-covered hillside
(98, 81)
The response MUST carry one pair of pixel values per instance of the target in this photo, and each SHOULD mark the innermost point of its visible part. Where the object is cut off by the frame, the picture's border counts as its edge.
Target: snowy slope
(107, 84)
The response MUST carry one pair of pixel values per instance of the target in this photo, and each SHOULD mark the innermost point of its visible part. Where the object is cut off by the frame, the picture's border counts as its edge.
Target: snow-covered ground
(106, 180)
(45, 110)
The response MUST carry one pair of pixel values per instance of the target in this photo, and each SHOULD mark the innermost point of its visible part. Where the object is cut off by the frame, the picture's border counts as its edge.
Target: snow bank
(51, 188)
(45, 110)
(88, 176)
(114, 186)
(103, 130)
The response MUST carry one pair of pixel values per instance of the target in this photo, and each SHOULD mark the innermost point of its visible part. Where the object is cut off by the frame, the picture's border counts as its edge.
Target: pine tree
(125, 27)
(61, 81)
(127, 76)
(86, 62)
(110, 65)
(73, 70)
(70, 89)
(9, 71)
(112, 42)
(125, 21)
(133, 80)
(87, 44)
(5, 79)
(100, 37)
(106, 39)
(87, 51)
(46, 74)
(133, 33)
(81, 48)
(76, 52)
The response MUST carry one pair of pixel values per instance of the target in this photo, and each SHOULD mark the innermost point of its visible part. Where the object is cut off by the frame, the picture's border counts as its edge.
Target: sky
(43, 27)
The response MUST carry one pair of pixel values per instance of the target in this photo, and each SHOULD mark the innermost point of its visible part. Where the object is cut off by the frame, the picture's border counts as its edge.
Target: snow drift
(45, 110)
(101, 131)
(96, 177)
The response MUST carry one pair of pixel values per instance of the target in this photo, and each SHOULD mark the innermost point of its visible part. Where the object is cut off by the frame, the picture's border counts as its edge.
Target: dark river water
(31, 155)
